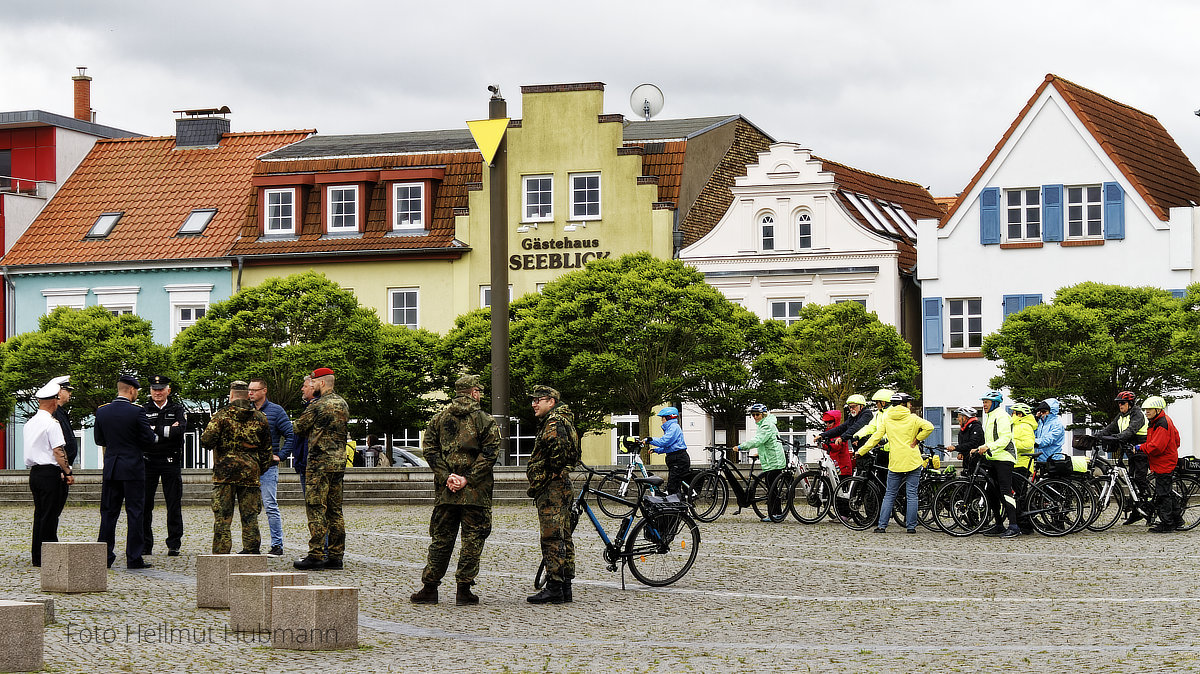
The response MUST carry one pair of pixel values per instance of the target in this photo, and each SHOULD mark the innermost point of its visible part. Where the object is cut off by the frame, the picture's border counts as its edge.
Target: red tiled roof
(156, 186)
(664, 160)
(461, 170)
(1136, 142)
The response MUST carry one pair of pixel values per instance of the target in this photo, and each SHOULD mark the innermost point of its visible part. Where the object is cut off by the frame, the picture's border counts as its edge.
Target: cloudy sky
(919, 90)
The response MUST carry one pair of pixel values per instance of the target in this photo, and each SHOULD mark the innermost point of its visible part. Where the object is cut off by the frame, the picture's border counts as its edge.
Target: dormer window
(103, 225)
(196, 221)
(341, 208)
(281, 211)
(408, 211)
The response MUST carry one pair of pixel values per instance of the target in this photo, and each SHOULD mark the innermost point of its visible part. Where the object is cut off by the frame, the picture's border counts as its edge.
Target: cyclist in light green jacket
(997, 452)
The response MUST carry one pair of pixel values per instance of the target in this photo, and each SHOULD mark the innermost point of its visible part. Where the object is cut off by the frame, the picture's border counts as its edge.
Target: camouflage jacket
(555, 449)
(324, 424)
(462, 439)
(240, 437)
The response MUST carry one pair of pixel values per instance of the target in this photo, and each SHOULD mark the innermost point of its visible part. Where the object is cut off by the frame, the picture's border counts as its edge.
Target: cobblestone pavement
(761, 597)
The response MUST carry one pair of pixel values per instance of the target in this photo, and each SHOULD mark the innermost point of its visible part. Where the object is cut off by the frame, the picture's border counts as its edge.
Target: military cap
(321, 372)
(64, 382)
(50, 390)
(159, 382)
(239, 385)
(544, 392)
(130, 380)
(467, 382)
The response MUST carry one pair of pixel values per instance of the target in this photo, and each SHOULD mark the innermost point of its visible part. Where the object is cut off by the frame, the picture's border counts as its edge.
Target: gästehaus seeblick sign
(567, 253)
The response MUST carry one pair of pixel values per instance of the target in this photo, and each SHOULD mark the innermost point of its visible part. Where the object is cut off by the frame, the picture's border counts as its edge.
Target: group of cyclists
(1022, 439)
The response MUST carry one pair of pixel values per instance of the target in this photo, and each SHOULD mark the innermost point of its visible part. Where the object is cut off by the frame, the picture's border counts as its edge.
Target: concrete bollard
(22, 639)
(212, 576)
(250, 598)
(74, 567)
(314, 617)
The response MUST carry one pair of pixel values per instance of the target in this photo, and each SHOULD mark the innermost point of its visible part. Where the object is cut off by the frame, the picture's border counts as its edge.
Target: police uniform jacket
(124, 431)
(70, 446)
(168, 438)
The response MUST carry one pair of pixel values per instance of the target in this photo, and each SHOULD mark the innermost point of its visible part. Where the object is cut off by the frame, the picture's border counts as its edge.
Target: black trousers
(1000, 497)
(679, 464)
(112, 494)
(171, 475)
(1167, 506)
(49, 489)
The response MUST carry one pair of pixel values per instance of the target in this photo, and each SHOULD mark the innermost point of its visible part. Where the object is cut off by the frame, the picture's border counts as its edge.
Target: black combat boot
(1134, 516)
(426, 595)
(551, 594)
(567, 591)
(310, 562)
(464, 596)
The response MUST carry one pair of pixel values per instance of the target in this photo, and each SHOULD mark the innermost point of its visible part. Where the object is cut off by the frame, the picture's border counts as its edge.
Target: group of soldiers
(461, 445)
(143, 446)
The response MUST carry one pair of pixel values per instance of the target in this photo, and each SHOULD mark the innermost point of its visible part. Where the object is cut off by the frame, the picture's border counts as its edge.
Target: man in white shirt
(49, 472)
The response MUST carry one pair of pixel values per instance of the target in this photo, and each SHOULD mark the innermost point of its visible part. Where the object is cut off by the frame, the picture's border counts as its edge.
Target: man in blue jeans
(904, 430)
(282, 439)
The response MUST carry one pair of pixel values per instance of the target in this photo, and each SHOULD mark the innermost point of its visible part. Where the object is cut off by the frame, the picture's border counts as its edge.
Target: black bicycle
(658, 540)
(711, 487)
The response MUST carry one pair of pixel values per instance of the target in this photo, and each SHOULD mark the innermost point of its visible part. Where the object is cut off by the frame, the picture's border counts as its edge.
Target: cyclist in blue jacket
(1050, 437)
(671, 445)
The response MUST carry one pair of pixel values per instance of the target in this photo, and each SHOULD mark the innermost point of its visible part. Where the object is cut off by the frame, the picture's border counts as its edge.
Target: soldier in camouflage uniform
(240, 437)
(555, 453)
(460, 446)
(324, 424)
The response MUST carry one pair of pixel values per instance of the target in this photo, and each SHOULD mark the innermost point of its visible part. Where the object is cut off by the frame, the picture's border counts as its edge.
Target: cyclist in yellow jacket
(1024, 426)
(904, 430)
(997, 451)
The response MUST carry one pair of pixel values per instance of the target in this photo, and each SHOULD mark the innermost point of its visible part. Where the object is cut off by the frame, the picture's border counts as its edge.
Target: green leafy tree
(280, 330)
(403, 376)
(93, 346)
(625, 334)
(1141, 339)
(834, 351)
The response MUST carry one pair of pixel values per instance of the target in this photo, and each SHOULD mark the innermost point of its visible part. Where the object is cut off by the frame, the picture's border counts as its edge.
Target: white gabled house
(803, 229)
(1079, 188)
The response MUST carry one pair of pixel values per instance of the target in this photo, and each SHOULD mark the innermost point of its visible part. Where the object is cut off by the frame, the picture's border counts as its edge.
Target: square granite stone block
(314, 617)
(21, 639)
(74, 567)
(212, 576)
(250, 598)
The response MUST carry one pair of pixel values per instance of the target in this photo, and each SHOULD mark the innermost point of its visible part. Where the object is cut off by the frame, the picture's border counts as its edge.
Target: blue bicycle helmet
(758, 408)
(668, 412)
(995, 396)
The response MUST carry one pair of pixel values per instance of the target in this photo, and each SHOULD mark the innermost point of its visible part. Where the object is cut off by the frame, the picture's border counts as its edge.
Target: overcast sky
(918, 90)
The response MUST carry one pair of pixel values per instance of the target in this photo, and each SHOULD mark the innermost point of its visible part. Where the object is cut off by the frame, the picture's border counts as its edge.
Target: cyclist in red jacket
(1162, 446)
(839, 451)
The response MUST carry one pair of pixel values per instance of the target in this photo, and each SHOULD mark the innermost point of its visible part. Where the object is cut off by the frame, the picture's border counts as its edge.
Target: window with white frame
(119, 300)
(485, 295)
(787, 311)
(804, 230)
(103, 225)
(189, 303)
(792, 428)
(280, 213)
(1085, 208)
(625, 424)
(966, 323)
(64, 297)
(197, 221)
(1024, 209)
(857, 298)
(766, 225)
(585, 196)
(403, 305)
(408, 211)
(538, 198)
(342, 208)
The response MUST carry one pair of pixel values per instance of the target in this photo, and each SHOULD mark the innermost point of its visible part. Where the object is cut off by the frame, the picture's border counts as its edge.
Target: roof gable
(155, 186)
(1134, 141)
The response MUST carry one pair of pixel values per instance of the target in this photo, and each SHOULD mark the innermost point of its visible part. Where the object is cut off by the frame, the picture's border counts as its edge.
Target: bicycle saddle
(653, 480)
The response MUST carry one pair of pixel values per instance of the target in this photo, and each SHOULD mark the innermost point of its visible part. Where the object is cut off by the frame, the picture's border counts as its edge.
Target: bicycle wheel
(616, 484)
(1055, 507)
(777, 496)
(758, 491)
(1110, 503)
(926, 491)
(810, 496)
(710, 496)
(1189, 490)
(961, 508)
(662, 548)
(857, 502)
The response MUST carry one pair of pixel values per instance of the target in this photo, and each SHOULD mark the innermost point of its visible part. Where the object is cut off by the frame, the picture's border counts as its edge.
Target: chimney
(201, 128)
(83, 95)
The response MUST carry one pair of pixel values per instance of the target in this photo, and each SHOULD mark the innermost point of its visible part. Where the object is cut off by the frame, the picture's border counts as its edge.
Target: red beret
(321, 372)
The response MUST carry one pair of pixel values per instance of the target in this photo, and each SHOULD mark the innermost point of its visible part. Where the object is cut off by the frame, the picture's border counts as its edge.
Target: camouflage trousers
(249, 504)
(323, 504)
(554, 517)
(476, 524)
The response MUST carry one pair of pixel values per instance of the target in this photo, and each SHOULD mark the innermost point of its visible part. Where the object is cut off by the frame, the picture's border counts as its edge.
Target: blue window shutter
(1052, 212)
(931, 314)
(934, 416)
(1114, 211)
(1178, 293)
(989, 216)
(1030, 300)
(1012, 304)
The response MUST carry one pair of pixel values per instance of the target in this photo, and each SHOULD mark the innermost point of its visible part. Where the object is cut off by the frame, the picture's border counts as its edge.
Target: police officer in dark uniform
(164, 461)
(70, 445)
(124, 431)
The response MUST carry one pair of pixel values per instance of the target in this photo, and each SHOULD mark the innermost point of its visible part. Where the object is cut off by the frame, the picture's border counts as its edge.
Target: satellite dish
(646, 100)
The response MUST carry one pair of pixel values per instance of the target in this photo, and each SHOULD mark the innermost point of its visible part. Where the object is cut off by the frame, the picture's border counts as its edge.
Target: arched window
(767, 222)
(804, 230)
